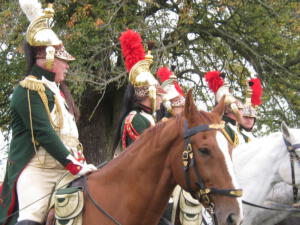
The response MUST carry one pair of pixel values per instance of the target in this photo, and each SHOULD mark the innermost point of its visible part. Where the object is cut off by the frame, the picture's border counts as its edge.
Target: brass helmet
(174, 96)
(218, 83)
(253, 97)
(138, 66)
(40, 35)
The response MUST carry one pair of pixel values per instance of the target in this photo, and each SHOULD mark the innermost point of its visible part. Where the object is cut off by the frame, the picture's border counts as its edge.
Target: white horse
(281, 195)
(261, 164)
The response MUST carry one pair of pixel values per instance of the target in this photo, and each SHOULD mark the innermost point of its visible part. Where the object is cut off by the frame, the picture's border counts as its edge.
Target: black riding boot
(28, 222)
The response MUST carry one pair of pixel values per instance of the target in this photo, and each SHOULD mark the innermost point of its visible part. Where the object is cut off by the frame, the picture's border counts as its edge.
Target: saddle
(67, 201)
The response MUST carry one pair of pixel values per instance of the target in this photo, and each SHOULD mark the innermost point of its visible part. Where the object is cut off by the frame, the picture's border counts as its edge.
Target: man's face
(248, 122)
(60, 68)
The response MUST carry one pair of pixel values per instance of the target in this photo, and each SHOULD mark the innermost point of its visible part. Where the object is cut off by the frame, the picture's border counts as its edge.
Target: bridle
(189, 162)
(291, 148)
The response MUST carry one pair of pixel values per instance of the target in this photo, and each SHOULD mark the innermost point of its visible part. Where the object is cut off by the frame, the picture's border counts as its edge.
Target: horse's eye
(204, 151)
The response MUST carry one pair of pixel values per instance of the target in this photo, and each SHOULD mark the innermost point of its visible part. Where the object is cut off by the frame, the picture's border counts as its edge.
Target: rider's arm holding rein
(28, 108)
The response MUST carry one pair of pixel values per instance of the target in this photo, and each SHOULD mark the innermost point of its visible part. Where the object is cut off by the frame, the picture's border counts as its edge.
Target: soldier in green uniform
(44, 142)
(142, 96)
(233, 109)
(232, 129)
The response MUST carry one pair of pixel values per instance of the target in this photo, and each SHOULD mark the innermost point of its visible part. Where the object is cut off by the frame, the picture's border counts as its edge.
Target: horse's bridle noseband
(189, 162)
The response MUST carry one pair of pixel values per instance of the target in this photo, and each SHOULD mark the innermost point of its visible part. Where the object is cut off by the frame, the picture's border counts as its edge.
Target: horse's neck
(144, 171)
(281, 193)
(257, 163)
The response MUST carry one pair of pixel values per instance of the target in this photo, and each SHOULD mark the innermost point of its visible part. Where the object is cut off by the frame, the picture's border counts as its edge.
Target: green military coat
(134, 124)
(28, 111)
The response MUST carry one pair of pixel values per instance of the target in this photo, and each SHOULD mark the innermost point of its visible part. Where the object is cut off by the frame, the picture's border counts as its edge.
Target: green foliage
(242, 38)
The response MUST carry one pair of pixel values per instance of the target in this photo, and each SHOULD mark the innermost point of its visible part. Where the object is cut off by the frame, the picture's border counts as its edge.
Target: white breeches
(34, 188)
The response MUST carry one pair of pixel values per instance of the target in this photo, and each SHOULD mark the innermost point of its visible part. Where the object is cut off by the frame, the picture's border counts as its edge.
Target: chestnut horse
(188, 150)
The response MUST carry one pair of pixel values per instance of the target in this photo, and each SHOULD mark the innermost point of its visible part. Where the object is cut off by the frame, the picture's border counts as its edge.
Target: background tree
(243, 38)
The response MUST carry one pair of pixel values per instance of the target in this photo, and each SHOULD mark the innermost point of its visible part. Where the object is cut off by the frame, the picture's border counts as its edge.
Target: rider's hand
(77, 168)
(87, 168)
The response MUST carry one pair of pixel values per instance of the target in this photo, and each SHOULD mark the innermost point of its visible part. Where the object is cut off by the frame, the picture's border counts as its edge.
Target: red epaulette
(129, 129)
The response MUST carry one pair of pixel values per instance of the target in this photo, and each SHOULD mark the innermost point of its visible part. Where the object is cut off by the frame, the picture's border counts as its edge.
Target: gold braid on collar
(57, 111)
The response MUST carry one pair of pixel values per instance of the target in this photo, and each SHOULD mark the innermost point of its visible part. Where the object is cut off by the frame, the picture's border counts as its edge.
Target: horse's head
(206, 170)
(289, 170)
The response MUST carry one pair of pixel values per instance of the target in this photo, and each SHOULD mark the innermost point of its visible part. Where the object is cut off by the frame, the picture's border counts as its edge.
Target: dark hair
(129, 103)
(161, 112)
(73, 109)
(29, 56)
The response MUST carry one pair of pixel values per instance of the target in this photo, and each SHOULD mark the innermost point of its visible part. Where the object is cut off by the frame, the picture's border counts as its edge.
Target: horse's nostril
(232, 219)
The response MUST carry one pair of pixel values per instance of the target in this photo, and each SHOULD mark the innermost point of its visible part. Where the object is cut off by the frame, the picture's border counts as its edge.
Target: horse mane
(154, 132)
(205, 116)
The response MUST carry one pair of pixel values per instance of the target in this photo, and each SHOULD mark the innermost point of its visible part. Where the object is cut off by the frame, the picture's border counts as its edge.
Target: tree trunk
(96, 135)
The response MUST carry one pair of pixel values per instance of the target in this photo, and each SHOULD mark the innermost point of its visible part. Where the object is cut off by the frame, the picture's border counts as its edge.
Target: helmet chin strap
(152, 95)
(50, 52)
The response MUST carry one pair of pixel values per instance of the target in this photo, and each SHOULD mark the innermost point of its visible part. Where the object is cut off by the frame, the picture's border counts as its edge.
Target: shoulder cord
(45, 102)
(58, 111)
(234, 142)
(31, 126)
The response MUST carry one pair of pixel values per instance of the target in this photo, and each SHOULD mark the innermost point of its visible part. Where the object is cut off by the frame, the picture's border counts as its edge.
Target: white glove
(77, 168)
(87, 168)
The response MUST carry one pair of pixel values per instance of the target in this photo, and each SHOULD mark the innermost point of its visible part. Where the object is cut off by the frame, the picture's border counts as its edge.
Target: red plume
(163, 74)
(214, 80)
(178, 88)
(132, 48)
(257, 91)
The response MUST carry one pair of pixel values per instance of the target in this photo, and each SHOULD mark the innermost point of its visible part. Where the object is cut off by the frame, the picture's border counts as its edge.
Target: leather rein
(291, 148)
(189, 163)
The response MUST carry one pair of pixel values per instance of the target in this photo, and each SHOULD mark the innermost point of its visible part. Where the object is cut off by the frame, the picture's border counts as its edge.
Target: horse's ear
(285, 129)
(189, 108)
(219, 109)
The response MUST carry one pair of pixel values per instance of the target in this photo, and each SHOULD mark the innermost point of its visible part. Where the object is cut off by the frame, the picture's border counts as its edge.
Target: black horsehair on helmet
(129, 102)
